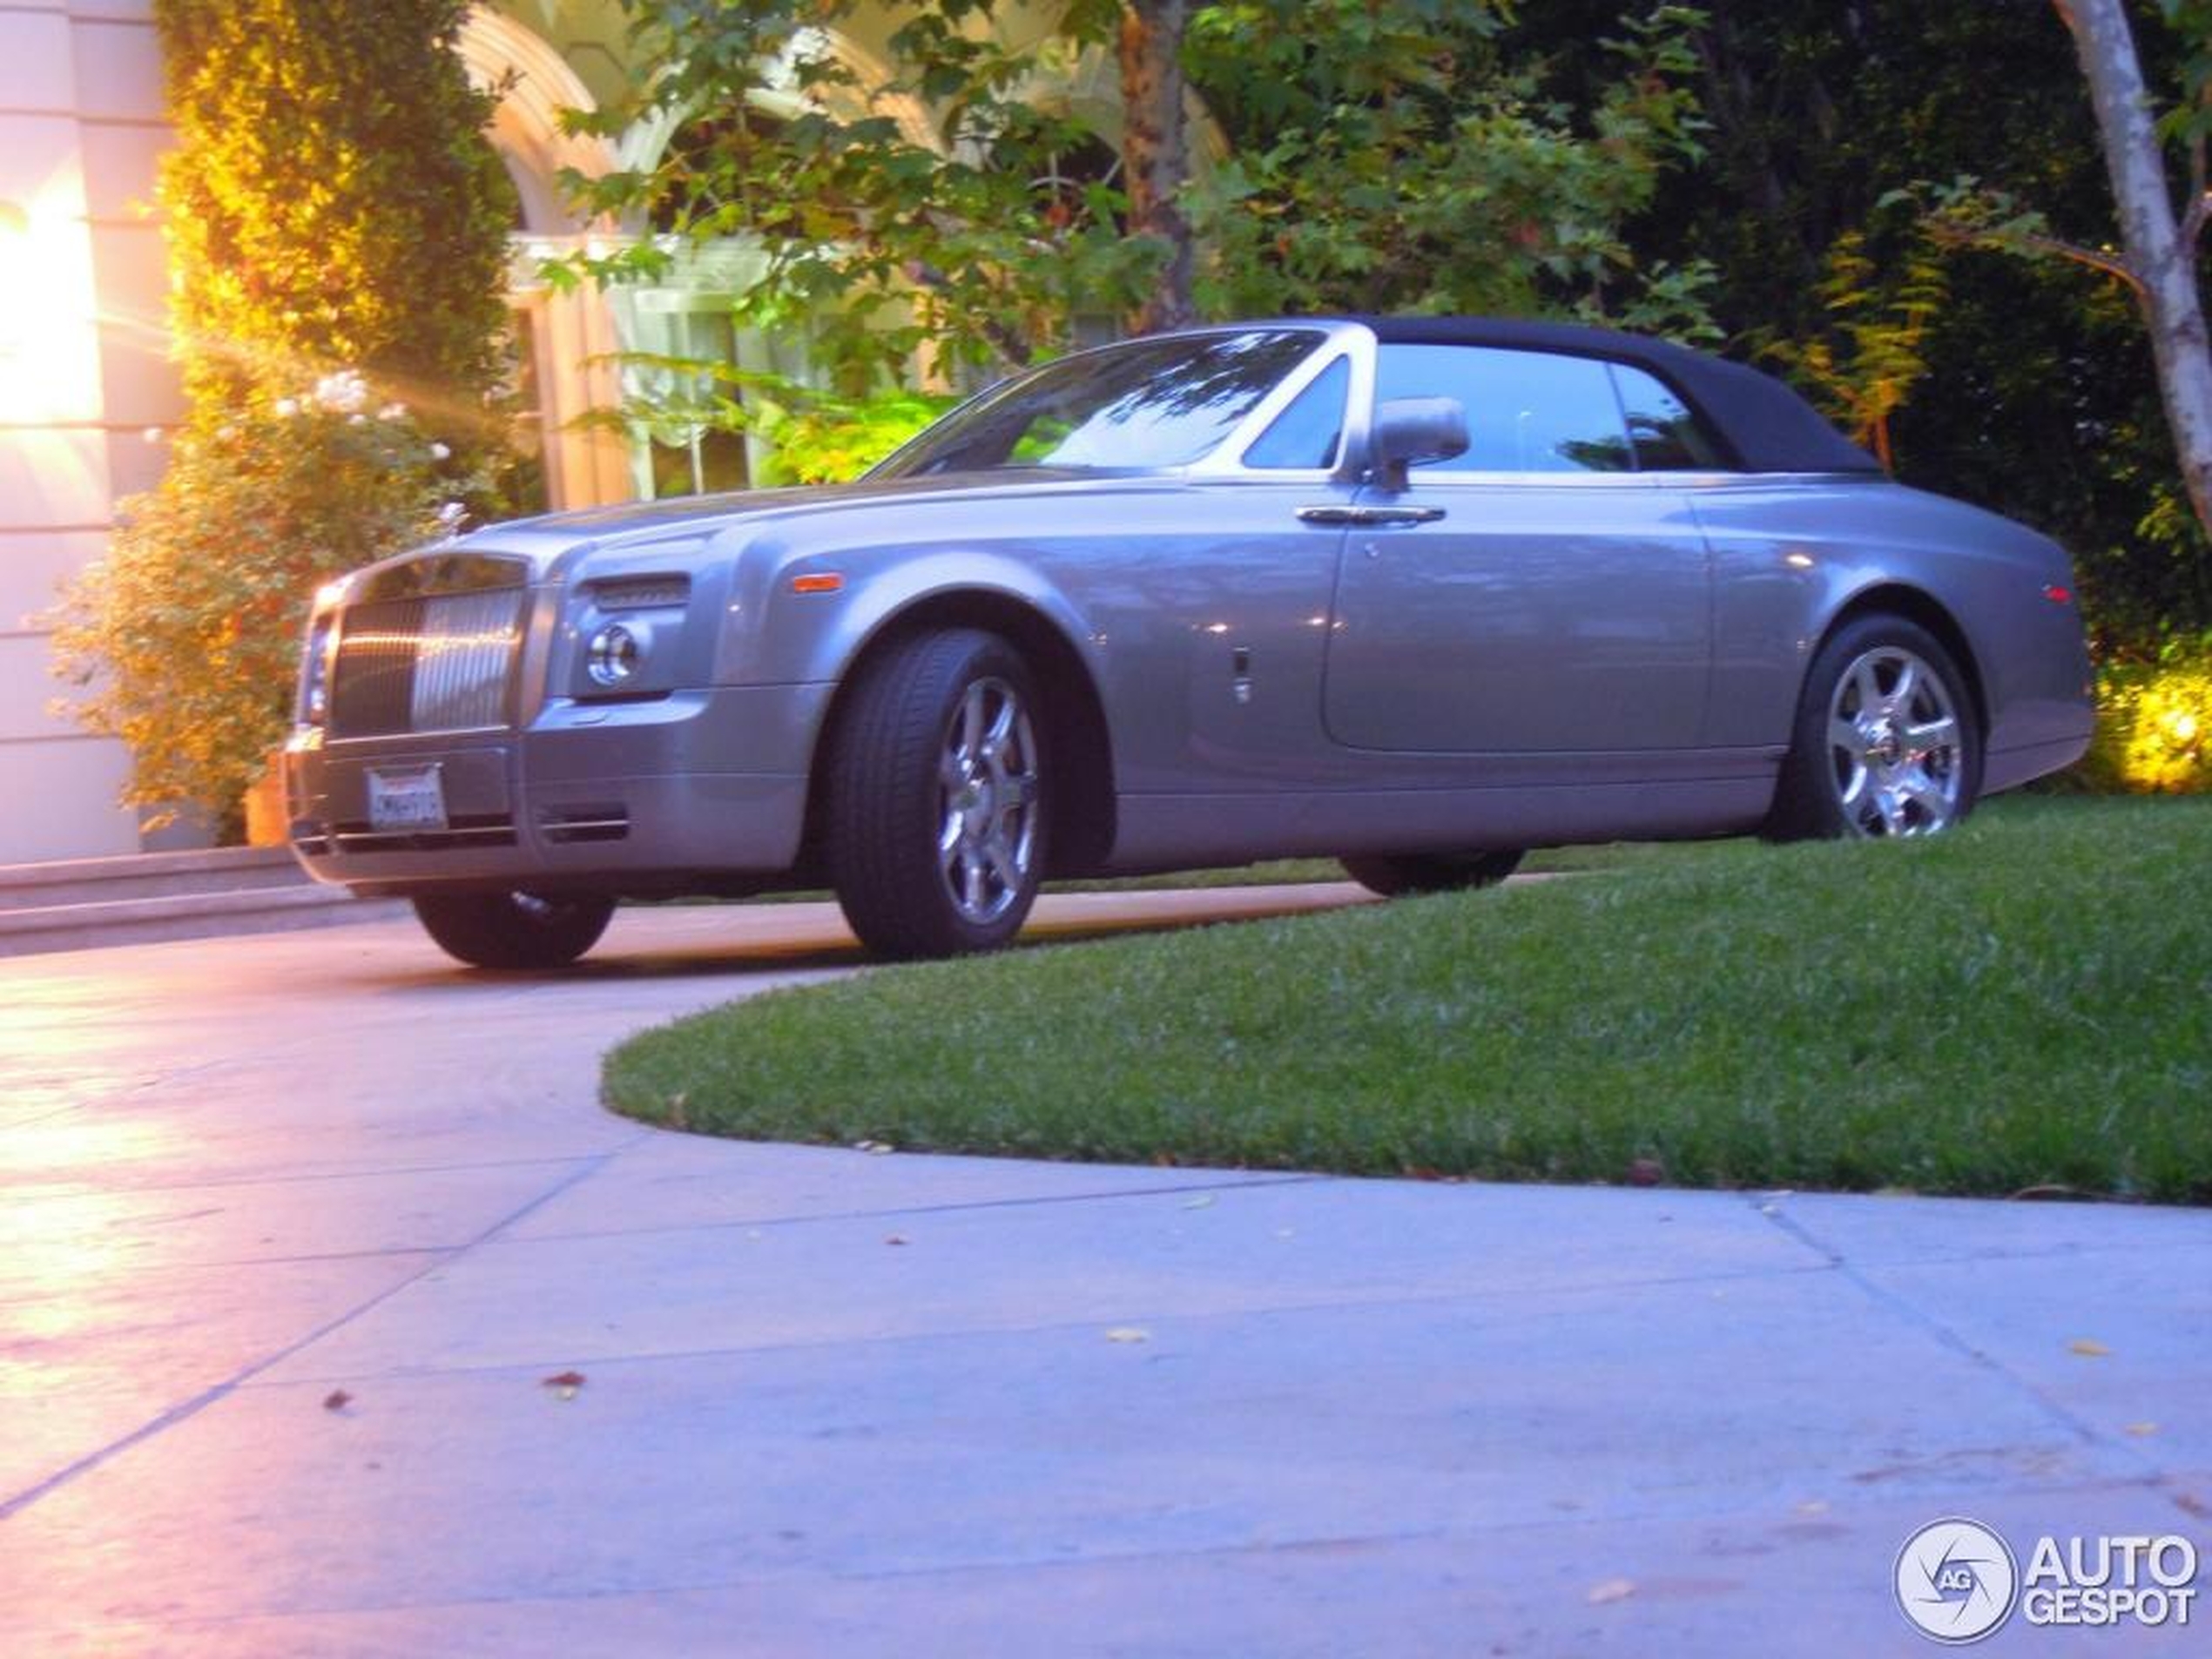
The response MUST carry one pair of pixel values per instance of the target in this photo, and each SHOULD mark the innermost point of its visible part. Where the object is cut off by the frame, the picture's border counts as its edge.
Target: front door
(1529, 616)
(1548, 592)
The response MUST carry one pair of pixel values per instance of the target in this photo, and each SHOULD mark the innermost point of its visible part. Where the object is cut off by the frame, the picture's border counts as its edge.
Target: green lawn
(2025, 1002)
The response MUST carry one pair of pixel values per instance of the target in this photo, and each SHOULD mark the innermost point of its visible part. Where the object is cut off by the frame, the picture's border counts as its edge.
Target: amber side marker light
(2059, 596)
(828, 582)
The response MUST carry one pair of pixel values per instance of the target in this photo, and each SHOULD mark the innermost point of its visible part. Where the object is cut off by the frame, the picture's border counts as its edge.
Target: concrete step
(80, 904)
(89, 926)
(148, 876)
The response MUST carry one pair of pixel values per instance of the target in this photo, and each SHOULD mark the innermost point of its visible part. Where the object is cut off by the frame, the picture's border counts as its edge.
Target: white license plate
(412, 798)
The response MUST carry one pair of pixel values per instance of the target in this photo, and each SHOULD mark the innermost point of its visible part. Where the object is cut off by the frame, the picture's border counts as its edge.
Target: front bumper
(623, 796)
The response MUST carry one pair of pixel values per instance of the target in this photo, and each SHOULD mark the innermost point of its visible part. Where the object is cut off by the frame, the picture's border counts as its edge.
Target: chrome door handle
(1333, 514)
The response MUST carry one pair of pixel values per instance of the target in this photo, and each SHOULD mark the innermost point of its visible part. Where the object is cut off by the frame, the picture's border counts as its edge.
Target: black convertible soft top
(1768, 428)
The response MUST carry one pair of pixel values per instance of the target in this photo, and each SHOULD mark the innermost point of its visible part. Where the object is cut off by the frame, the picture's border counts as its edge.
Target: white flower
(343, 392)
(451, 514)
(152, 434)
(357, 419)
(392, 412)
(440, 452)
(288, 407)
(227, 432)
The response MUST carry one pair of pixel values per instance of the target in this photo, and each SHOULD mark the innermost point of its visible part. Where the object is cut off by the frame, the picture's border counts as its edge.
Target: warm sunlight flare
(48, 362)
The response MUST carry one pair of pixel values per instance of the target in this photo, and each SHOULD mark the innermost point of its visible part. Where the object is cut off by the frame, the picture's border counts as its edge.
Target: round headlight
(614, 655)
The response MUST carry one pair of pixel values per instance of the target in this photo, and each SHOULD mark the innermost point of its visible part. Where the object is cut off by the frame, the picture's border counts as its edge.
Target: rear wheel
(514, 929)
(1432, 872)
(936, 795)
(1886, 741)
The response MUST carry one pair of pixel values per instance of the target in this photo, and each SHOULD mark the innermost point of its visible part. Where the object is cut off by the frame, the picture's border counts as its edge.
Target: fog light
(616, 653)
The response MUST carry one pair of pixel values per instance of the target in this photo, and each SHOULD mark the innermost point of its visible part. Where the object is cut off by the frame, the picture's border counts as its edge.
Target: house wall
(83, 379)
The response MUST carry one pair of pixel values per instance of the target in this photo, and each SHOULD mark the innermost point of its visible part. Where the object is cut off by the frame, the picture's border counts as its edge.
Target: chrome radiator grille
(439, 663)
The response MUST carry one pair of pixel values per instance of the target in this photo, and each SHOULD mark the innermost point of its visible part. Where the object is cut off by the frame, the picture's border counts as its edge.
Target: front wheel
(936, 797)
(515, 930)
(1886, 741)
(1431, 872)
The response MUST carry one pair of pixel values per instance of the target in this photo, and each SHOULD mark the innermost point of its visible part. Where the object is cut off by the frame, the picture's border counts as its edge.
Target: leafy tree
(2038, 398)
(337, 232)
(1865, 364)
(1399, 157)
(1382, 156)
(979, 240)
(2158, 262)
(332, 201)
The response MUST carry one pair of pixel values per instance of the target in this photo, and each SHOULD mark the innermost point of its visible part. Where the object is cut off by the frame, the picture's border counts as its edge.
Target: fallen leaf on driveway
(565, 1382)
(1612, 1590)
(2142, 1431)
(1129, 1333)
(894, 1238)
(1203, 1201)
(336, 1401)
(2088, 1349)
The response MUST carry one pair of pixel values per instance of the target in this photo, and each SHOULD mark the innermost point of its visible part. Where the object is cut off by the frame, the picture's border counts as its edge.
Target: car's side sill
(1163, 831)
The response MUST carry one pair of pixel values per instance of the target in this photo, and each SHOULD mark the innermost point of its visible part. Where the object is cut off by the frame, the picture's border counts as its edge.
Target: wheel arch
(1923, 609)
(1082, 805)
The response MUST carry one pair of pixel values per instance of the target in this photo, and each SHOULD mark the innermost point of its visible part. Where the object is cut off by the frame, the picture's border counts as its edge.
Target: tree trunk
(1155, 150)
(2162, 259)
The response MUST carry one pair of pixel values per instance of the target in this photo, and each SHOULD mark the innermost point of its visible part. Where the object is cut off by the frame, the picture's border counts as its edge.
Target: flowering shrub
(184, 640)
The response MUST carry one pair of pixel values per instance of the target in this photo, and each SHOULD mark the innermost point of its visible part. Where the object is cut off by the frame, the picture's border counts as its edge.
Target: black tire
(935, 840)
(1396, 876)
(1911, 763)
(515, 930)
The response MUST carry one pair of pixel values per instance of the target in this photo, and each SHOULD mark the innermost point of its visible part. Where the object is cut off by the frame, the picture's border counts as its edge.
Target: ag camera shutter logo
(1957, 1580)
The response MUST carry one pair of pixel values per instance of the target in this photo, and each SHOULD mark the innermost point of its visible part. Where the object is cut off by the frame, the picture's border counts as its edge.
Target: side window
(1527, 411)
(1307, 433)
(1666, 435)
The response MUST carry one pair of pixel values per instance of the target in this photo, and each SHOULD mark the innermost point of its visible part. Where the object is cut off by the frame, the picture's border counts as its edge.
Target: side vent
(570, 824)
(641, 592)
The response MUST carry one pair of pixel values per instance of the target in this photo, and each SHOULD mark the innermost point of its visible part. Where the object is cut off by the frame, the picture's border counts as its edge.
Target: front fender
(799, 638)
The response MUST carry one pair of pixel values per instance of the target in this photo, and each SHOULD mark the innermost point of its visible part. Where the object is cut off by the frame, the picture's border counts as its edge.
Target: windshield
(1148, 404)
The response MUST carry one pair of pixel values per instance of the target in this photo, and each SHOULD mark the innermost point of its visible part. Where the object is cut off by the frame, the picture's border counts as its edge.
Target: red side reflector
(827, 581)
(2059, 596)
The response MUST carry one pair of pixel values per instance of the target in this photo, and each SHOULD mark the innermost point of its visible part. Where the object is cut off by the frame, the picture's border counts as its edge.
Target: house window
(684, 360)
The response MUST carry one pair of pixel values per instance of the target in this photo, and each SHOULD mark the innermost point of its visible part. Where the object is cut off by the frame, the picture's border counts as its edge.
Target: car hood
(654, 520)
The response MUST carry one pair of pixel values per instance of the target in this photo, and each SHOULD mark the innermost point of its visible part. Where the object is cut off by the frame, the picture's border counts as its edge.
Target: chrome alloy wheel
(1895, 745)
(987, 793)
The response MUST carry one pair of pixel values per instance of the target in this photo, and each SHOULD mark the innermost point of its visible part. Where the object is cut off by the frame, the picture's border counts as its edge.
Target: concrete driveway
(296, 1233)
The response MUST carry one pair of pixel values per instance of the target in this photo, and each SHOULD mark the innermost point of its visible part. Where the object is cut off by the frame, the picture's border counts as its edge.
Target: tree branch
(2036, 242)
(2193, 221)
(2200, 192)
(1010, 343)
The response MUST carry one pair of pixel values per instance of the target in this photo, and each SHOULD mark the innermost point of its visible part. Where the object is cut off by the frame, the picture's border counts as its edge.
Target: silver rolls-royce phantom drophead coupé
(1415, 593)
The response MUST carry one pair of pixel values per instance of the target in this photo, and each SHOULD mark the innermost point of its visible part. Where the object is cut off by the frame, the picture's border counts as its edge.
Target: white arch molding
(536, 84)
(572, 333)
